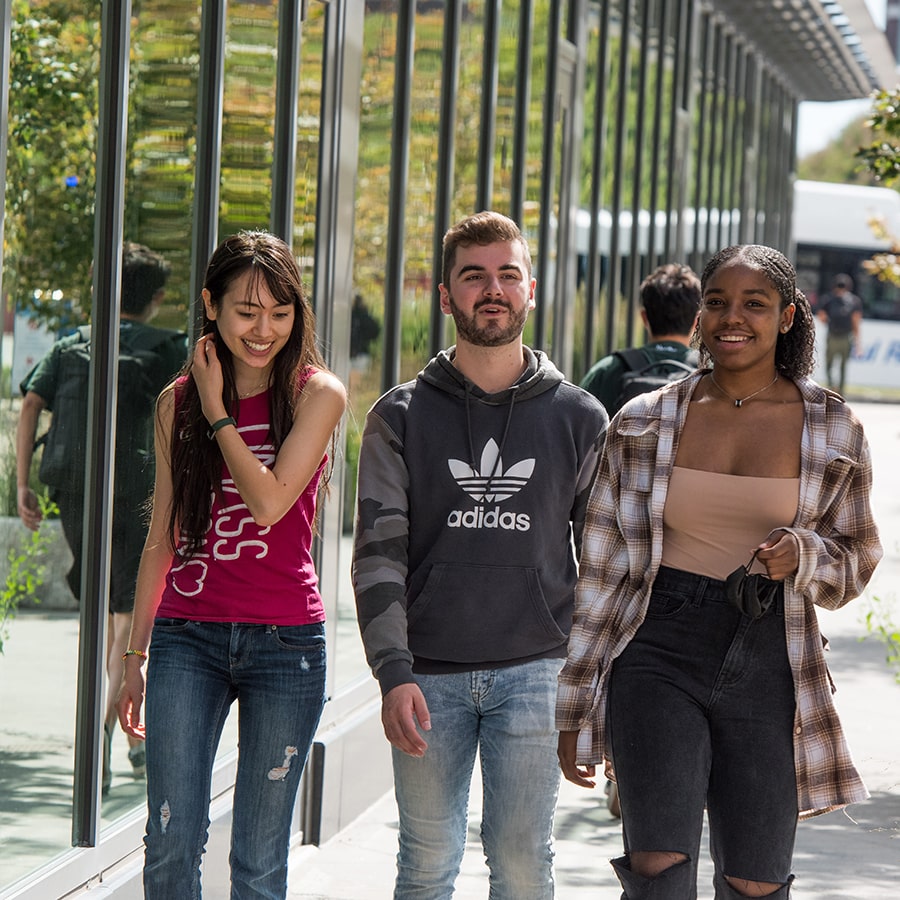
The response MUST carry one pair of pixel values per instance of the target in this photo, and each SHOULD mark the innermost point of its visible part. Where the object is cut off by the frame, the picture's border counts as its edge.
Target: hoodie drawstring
(512, 403)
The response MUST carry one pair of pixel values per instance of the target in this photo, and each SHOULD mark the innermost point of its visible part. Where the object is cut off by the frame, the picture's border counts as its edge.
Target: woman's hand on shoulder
(207, 371)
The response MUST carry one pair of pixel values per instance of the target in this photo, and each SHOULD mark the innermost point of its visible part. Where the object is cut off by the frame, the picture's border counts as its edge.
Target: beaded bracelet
(220, 423)
(139, 653)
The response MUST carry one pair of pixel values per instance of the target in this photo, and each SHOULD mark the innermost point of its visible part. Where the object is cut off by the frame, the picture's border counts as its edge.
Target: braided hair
(795, 349)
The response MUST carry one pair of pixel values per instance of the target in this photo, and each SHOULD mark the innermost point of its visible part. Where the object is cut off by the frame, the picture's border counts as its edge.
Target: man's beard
(493, 334)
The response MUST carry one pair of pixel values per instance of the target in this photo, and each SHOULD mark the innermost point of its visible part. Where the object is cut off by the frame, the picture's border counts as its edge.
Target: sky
(820, 123)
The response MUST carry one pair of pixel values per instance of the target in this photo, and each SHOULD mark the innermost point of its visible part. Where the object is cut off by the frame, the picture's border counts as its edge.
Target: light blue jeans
(195, 672)
(507, 715)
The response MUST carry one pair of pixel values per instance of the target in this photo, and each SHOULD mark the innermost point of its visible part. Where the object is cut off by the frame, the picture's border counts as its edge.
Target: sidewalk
(846, 855)
(852, 854)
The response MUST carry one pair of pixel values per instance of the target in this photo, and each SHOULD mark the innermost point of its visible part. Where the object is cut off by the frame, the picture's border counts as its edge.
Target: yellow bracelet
(139, 653)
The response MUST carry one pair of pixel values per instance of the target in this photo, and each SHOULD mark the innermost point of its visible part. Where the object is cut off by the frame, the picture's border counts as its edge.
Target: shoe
(612, 799)
(106, 782)
(138, 759)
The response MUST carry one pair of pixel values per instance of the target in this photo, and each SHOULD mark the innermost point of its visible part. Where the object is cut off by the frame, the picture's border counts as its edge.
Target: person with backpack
(148, 359)
(670, 303)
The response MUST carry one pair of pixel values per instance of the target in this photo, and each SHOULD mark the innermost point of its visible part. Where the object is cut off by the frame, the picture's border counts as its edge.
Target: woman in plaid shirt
(703, 686)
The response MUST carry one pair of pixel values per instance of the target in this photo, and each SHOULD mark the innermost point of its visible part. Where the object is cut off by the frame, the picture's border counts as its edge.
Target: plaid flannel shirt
(622, 549)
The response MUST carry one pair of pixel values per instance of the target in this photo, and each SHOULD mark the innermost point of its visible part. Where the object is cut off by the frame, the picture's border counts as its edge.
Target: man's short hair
(482, 229)
(670, 296)
(144, 272)
(843, 281)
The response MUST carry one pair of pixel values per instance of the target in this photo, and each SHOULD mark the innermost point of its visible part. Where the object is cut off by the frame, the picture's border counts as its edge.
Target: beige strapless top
(712, 522)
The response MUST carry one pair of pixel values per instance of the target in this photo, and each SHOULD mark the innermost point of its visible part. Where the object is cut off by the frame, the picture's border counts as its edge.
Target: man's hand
(401, 709)
(565, 751)
(28, 506)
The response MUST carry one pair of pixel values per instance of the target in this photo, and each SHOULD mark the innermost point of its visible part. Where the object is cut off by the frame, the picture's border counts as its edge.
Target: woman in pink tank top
(227, 605)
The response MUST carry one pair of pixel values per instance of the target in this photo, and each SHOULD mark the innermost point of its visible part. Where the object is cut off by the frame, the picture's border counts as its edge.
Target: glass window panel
(248, 116)
(367, 314)
(309, 111)
(48, 242)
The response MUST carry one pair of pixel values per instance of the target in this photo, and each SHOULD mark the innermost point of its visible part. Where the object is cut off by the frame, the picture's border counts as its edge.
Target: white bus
(832, 235)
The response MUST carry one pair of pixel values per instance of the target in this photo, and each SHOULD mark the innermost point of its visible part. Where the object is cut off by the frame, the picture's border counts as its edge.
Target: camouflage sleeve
(380, 552)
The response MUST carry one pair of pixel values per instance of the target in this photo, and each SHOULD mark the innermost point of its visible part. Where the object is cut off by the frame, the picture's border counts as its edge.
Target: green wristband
(221, 423)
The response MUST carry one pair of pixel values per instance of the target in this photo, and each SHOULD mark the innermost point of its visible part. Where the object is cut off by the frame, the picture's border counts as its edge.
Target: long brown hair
(196, 460)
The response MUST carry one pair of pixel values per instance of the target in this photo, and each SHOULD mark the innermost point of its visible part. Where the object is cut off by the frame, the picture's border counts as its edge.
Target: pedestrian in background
(149, 357)
(727, 506)
(842, 311)
(670, 304)
(227, 586)
(472, 485)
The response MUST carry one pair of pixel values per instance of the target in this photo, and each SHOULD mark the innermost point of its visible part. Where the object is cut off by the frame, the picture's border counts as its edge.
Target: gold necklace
(252, 390)
(739, 403)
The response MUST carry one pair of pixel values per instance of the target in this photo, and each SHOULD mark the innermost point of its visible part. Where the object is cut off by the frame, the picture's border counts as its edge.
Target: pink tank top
(245, 572)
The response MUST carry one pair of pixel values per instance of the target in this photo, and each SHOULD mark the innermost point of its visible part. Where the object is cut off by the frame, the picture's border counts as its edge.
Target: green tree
(881, 159)
(837, 162)
(49, 226)
(881, 156)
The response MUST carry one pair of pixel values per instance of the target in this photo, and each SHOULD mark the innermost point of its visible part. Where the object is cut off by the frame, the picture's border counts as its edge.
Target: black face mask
(753, 595)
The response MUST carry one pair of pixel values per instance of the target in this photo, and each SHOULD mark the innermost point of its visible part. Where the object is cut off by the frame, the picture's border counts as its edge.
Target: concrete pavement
(846, 855)
(852, 854)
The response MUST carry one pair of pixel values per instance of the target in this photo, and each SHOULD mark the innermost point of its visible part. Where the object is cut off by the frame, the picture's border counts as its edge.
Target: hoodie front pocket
(474, 613)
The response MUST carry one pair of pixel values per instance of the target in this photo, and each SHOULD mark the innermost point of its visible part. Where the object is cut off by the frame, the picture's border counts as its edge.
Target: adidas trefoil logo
(485, 487)
(490, 484)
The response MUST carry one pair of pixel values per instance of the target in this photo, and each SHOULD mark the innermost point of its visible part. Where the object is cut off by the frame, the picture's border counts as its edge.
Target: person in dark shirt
(144, 275)
(473, 484)
(841, 311)
(670, 303)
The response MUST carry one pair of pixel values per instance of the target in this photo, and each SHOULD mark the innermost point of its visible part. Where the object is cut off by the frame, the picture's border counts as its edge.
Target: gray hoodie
(470, 506)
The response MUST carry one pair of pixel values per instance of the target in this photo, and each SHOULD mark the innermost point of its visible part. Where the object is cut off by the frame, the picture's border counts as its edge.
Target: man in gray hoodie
(473, 483)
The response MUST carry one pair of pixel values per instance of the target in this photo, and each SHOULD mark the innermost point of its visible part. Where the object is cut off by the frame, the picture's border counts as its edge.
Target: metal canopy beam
(818, 49)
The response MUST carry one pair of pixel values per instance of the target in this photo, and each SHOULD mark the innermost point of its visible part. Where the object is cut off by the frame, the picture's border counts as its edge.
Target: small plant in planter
(26, 568)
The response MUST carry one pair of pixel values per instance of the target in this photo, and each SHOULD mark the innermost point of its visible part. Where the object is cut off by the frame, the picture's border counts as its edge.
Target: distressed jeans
(701, 714)
(507, 716)
(195, 672)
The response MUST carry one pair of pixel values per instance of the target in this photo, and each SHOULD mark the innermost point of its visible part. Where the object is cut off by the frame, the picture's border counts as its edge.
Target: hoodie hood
(540, 375)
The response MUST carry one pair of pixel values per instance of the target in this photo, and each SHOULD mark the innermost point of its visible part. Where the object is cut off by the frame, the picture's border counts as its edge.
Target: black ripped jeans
(701, 715)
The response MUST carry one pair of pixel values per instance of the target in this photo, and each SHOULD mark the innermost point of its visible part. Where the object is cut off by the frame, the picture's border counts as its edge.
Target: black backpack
(143, 372)
(643, 374)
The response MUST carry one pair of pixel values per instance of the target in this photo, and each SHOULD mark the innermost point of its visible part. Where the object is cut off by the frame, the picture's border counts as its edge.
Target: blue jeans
(701, 714)
(196, 670)
(507, 715)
